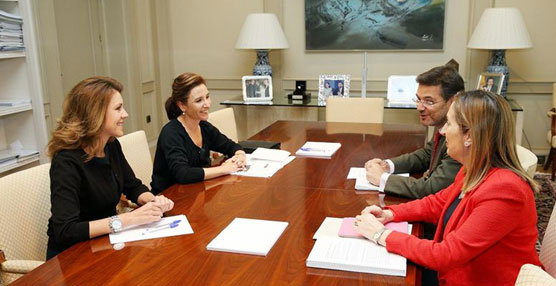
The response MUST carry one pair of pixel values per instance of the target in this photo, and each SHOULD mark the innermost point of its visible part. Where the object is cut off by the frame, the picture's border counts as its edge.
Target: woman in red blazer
(486, 220)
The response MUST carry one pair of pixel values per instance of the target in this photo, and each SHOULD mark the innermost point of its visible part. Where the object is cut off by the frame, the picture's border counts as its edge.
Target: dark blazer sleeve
(132, 186)
(417, 162)
(175, 153)
(219, 142)
(65, 181)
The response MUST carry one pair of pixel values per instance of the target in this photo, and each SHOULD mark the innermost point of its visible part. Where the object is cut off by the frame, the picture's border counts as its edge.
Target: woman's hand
(368, 225)
(147, 213)
(240, 159)
(383, 216)
(229, 166)
(164, 203)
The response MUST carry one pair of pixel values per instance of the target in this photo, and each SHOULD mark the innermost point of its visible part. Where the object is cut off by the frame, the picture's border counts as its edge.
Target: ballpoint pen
(312, 149)
(163, 226)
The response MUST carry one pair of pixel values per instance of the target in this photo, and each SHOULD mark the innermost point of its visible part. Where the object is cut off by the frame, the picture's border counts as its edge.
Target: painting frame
(257, 88)
(496, 84)
(333, 85)
(355, 25)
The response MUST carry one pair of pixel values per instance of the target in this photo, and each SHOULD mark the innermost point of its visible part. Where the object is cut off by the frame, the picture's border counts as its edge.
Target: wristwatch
(377, 235)
(115, 224)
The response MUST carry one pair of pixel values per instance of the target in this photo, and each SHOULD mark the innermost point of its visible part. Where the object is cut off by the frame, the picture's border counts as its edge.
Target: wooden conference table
(303, 193)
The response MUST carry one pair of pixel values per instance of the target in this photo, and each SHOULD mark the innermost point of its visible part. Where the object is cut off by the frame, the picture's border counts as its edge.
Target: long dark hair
(181, 88)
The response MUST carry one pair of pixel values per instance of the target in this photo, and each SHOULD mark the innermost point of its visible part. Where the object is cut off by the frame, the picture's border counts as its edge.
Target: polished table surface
(303, 193)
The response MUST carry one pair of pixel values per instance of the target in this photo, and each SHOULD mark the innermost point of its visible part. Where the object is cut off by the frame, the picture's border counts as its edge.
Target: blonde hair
(83, 116)
(489, 119)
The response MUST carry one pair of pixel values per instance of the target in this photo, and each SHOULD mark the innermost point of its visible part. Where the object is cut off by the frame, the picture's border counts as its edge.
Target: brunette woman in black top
(184, 144)
(89, 171)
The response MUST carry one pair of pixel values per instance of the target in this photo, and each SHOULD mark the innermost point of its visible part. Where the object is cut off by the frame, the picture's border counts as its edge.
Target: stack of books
(11, 32)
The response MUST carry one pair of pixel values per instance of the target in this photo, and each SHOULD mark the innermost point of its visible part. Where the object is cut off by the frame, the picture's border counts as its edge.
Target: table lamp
(261, 32)
(500, 29)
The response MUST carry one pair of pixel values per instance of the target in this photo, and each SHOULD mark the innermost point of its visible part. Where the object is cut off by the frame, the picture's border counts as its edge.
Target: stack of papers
(11, 32)
(318, 149)
(361, 182)
(264, 163)
(248, 236)
(167, 226)
(352, 254)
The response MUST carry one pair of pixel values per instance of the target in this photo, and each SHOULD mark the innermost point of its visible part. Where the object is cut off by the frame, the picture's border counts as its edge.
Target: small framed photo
(257, 88)
(491, 82)
(333, 85)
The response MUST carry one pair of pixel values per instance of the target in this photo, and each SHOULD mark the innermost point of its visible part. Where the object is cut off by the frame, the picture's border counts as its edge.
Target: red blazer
(491, 233)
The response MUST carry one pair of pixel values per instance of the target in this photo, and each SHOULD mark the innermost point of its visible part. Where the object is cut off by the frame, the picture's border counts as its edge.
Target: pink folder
(347, 229)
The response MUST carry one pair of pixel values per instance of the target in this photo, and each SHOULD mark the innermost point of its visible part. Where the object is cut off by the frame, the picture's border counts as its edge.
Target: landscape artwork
(374, 24)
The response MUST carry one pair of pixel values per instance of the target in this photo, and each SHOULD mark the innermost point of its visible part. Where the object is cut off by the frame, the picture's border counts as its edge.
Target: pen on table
(312, 149)
(265, 165)
(163, 226)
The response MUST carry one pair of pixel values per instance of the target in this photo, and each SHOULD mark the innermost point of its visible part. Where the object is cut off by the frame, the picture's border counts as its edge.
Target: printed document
(361, 182)
(167, 226)
(262, 168)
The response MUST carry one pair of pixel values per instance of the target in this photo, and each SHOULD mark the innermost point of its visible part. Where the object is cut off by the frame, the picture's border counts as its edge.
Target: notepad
(347, 229)
(318, 149)
(270, 154)
(248, 236)
(262, 168)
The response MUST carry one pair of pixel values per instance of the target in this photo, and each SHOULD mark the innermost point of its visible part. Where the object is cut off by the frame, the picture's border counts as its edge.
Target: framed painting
(374, 25)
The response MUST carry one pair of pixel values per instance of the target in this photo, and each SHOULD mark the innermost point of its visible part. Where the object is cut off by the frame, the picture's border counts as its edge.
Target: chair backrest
(357, 110)
(527, 159)
(225, 121)
(136, 151)
(548, 246)
(24, 213)
(532, 275)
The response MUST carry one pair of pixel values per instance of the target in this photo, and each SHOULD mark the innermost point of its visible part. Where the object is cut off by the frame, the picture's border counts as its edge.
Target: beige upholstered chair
(533, 275)
(527, 159)
(137, 154)
(357, 110)
(225, 121)
(551, 135)
(24, 214)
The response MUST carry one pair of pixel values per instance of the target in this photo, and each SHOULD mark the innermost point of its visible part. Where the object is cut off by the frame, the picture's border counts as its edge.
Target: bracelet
(377, 235)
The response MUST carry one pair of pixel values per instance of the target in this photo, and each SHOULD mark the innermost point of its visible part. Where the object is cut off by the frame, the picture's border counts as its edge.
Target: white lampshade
(261, 31)
(500, 29)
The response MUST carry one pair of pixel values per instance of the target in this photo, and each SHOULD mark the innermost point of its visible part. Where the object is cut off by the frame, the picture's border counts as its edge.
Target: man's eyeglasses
(426, 103)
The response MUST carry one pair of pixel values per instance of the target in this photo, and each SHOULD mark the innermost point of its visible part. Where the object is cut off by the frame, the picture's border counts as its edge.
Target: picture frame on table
(257, 88)
(490, 82)
(333, 85)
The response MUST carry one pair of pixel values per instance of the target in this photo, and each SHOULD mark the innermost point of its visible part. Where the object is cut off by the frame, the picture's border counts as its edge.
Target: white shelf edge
(11, 55)
(7, 110)
(23, 162)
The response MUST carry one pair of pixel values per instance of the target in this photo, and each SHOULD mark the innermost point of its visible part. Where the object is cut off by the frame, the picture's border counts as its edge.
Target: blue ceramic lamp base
(262, 66)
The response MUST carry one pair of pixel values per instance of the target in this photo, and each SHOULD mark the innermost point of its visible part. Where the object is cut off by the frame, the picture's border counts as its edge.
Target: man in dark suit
(490, 86)
(434, 97)
(251, 88)
(339, 90)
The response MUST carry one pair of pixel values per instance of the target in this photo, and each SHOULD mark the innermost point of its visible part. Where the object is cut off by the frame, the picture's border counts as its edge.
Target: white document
(401, 88)
(356, 255)
(360, 176)
(248, 236)
(270, 154)
(262, 168)
(318, 149)
(153, 230)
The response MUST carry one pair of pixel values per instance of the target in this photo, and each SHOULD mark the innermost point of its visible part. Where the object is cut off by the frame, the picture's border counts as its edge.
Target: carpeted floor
(545, 200)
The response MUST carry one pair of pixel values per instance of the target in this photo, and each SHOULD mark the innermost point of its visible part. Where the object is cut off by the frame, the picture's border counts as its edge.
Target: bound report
(356, 255)
(248, 236)
(318, 149)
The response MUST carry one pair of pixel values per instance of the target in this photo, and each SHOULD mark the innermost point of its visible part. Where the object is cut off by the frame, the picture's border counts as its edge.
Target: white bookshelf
(22, 124)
